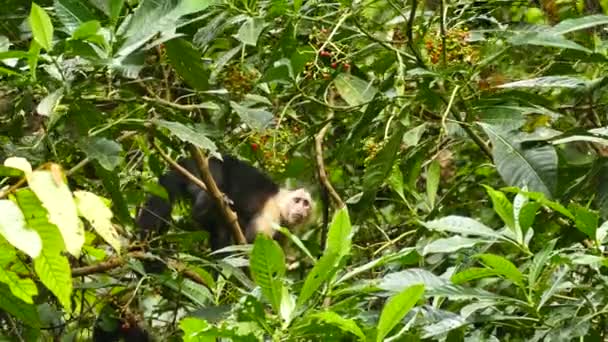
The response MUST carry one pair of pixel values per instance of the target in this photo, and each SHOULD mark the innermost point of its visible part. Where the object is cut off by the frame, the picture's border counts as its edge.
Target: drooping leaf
(188, 134)
(42, 27)
(14, 229)
(57, 199)
(396, 308)
(267, 268)
(186, 60)
(354, 90)
(398, 281)
(534, 168)
(105, 151)
(92, 208)
(51, 266)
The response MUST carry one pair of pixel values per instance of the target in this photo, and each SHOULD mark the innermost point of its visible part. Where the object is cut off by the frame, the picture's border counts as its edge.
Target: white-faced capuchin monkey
(258, 202)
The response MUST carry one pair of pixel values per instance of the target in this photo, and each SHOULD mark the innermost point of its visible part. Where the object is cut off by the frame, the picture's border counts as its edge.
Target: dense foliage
(459, 147)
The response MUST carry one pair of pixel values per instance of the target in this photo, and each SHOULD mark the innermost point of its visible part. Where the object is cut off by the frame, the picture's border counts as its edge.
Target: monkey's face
(296, 207)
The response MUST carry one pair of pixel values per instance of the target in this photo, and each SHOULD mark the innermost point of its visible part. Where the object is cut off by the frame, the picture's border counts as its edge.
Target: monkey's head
(295, 206)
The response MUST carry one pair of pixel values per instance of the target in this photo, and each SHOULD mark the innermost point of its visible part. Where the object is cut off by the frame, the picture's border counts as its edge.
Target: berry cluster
(457, 47)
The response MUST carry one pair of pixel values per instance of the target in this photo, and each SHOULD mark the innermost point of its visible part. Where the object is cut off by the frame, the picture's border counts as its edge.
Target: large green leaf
(186, 60)
(267, 268)
(450, 245)
(22, 288)
(396, 308)
(534, 168)
(398, 281)
(549, 82)
(42, 27)
(14, 229)
(502, 206)
(105, 151)
(73, 13)
(51, 266)
(585, 220)
(250, 31)
(472, 273)
(324, 269)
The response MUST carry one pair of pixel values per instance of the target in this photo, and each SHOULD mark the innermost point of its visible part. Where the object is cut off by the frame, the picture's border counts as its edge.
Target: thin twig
(173, 104)
(214, 191)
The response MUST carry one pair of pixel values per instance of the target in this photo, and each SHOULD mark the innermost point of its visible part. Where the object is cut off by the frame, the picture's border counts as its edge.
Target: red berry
(346, 66)
(334, 65)
(325, 53)
(254, 146)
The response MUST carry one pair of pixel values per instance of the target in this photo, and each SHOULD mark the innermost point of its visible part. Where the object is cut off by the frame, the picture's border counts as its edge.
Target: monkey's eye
(296, 199)
(306, 203)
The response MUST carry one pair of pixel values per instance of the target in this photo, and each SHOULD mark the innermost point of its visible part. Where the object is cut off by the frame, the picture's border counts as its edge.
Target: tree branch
(218, 196)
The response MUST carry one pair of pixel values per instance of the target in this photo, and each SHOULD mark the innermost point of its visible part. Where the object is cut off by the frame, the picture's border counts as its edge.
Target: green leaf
(450, 245)
(185, 133)
(396, 308)
(324, 269)
(461, 225)
(7, 171)
(540, 198)
(51, 266)
(73, 13)
(548, 82)
(354, 90)
(256, 118)
(87, 30)
(586, 220)
(14, 229)
(412, 136)
(26, 313)
(502, 206)
(267, 268)
(540, 261)
(92, 208)
(105, 151)
(250, 31)
(47, 106)
(22, 288)
(42, 27)
(433, 175)
(339, 235)
(527, 215)
(571, 25)
(534, 168)
(57, 199)
(186, 60)
(472, 273)
(344, 324)
(209, 32)
(192, 327)
(547, 40)
(503, 267)
(398, 281)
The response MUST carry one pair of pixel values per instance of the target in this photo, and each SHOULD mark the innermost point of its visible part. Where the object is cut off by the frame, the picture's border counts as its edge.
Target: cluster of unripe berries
(457, 48)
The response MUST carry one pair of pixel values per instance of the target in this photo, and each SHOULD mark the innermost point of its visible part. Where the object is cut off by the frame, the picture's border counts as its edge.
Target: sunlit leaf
(73, 13)
(354, 90)
(14, 229)
(250, 31)
(267, 268)
(344, 324)
(461, 225)
(92, 208)
(503, 267)
(575, 24)
(472, 273)
(42, 27)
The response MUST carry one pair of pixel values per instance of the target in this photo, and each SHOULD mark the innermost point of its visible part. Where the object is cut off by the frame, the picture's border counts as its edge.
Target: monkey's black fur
(247, 188)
